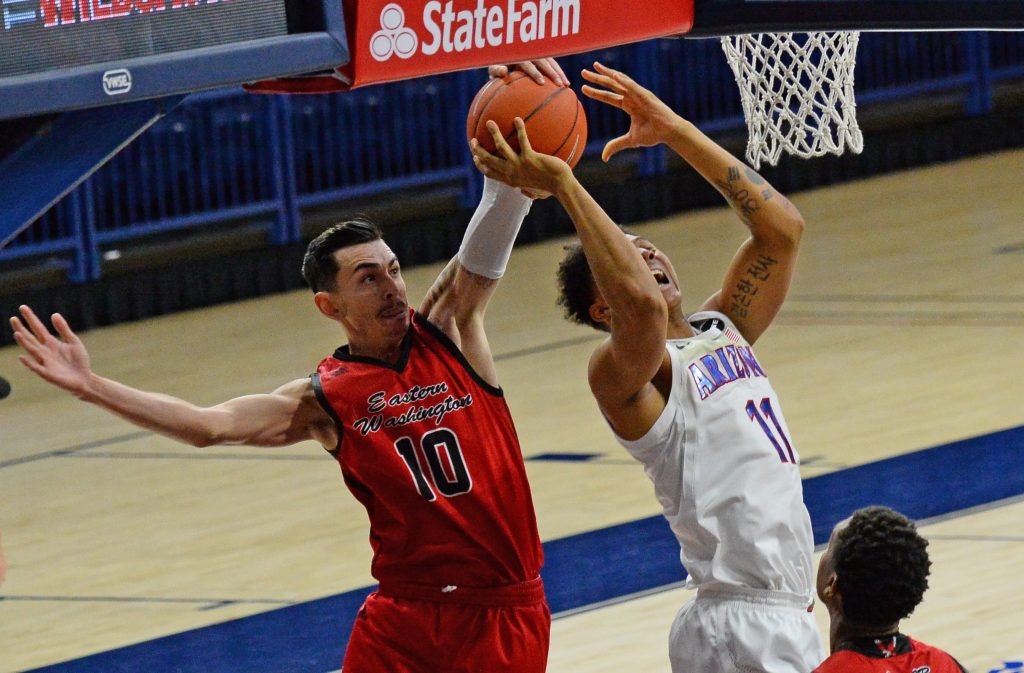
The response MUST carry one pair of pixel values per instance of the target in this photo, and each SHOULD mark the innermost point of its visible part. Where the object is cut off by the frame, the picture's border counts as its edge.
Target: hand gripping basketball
(523, 167)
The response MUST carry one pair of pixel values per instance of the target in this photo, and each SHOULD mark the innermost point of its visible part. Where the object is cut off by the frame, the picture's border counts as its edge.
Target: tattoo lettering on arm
(743, 200)
(759, 271)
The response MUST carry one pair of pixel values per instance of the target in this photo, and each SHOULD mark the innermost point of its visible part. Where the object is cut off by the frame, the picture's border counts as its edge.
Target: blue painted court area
(586, 569)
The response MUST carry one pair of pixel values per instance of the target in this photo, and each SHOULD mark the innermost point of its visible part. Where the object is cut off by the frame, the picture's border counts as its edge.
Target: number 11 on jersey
(768, 413)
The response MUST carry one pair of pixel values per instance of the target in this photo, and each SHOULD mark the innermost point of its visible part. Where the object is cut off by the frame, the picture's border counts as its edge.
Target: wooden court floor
(904, 330)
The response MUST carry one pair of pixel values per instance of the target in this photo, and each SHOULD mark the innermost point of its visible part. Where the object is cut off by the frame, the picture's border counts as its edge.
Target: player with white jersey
(725, 472)
(688, 398)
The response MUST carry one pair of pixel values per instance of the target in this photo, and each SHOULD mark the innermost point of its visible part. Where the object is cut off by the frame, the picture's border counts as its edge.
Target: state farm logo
(117, 82)
(393, 37)
(495, 25)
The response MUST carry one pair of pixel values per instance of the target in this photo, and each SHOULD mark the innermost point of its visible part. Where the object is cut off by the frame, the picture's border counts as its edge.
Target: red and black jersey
(892, 654)
(429, 448)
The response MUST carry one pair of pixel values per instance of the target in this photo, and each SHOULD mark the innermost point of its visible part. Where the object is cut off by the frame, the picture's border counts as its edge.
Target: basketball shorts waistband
(530, 592)
(766, 597)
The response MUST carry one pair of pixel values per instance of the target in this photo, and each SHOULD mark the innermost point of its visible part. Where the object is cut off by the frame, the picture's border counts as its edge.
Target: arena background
(897, 357)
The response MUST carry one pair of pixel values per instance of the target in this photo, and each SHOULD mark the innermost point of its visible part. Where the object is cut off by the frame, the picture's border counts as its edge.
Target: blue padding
(586, 569)
(75, 144)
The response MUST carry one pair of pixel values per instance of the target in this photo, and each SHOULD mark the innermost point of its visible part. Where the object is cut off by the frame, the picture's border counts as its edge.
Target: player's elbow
(647, 307)
(794, 228)
(202, 439)
(782, 233)
(212, 429)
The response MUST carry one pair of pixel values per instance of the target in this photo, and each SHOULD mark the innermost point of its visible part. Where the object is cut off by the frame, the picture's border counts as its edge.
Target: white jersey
(725, 470)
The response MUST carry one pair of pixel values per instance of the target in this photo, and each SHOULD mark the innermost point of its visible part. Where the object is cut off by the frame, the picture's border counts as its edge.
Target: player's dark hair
(319, 266)
(881, 565)
(576, 286)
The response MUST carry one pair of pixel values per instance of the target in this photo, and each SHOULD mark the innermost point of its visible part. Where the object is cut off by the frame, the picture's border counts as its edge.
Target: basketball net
(797, 93)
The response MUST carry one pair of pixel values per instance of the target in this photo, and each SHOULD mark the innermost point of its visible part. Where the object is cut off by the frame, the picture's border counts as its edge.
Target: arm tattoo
(443, 282)
(741, 199)
(753, 176)
(758, 271)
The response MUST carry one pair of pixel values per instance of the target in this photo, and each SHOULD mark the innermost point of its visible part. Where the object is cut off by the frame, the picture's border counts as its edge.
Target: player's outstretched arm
(624, 366)
(458, 298)
(288, 415)
(759, 277)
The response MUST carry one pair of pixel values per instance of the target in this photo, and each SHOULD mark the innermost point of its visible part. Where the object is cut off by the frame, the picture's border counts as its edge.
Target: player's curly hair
(576, 286)
(881, 565)
(319, 266)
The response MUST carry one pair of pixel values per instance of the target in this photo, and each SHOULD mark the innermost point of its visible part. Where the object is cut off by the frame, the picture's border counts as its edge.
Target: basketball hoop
(797, 93)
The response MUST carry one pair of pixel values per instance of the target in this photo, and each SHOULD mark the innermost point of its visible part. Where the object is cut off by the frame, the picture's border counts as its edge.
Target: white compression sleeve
(492, 231)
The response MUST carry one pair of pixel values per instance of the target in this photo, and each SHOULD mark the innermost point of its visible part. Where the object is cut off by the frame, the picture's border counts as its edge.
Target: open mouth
(660, 276)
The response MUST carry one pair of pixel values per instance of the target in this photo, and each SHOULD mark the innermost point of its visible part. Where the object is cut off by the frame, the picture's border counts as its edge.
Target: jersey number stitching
(768, 413)
(450, 477)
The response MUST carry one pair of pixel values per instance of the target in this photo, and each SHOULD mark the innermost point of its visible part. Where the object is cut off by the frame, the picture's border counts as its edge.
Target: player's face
(826, 566)
(661, 268)
(370, 295)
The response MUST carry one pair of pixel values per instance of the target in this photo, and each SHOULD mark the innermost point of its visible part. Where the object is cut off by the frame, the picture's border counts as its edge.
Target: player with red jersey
(873, 573)
(412, 411)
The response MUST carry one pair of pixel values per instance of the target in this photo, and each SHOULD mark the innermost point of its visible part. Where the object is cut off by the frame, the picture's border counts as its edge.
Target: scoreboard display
(68, 54)
(40, 35)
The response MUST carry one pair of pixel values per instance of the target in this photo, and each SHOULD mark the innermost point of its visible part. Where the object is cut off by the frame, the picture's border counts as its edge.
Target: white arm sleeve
(492, 231)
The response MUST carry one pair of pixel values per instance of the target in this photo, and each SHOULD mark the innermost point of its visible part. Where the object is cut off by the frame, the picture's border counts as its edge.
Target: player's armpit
(630, 406)
(456, 305)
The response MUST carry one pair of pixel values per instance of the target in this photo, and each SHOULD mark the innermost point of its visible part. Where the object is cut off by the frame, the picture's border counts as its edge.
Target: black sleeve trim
(454, 350)
(318, 390)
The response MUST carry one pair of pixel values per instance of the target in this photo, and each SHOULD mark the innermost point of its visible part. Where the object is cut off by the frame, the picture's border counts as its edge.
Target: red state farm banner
(410, 38)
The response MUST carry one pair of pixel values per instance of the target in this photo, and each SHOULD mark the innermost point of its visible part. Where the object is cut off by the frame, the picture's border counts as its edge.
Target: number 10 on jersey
(448, 471)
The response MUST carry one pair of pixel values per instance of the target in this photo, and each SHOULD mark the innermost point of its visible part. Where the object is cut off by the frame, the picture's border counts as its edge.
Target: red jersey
(892, 654)
(429, 448)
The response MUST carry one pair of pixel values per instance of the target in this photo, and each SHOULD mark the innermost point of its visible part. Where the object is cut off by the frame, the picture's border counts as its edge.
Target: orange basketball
(553, 114)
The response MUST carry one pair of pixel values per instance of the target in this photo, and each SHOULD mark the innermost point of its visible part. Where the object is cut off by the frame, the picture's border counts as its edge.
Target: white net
(797, 93)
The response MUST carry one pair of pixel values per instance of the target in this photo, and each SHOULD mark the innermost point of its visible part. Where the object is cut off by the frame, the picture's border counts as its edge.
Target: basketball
(554, 116)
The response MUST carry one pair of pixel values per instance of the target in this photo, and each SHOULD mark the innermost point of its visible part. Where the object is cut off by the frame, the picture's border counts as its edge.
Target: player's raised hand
(63, 362)
(651, 122)
(537, 174)
(537, 69)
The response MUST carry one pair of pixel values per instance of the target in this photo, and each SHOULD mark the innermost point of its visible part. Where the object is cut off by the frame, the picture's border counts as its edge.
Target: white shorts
(734, 630)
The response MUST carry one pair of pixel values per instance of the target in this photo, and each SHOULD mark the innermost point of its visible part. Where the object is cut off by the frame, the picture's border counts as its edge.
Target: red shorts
(413, 629)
